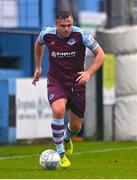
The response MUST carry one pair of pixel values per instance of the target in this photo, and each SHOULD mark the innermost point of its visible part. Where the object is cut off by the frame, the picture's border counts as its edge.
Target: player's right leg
(57, 125)
(64, 163)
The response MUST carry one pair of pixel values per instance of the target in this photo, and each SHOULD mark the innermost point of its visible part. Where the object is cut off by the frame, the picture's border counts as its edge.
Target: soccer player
(66, 77)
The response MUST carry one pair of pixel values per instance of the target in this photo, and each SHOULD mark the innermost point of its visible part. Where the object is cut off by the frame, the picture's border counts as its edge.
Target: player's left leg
(73, 128)
(76, 109)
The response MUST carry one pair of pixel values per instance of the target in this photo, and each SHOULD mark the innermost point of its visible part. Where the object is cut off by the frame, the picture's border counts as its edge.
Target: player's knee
(58, 112)
(76, 127)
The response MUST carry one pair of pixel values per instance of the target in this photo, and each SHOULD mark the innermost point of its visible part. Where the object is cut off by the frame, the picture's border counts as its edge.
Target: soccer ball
(49, 159)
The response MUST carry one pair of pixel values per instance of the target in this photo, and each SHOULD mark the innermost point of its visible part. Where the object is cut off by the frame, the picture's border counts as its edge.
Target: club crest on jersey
(71, 41)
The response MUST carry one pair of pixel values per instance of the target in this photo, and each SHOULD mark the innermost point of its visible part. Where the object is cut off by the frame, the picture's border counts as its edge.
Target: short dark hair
(63, 14)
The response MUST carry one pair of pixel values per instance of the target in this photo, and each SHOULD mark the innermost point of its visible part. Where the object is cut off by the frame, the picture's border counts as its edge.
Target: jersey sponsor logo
(63, 54)
(71, 41)
(52, 43)
(51, 96)
(53, 54)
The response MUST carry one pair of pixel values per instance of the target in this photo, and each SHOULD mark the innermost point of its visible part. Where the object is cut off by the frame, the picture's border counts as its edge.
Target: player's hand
(83, 77)
(37, 74)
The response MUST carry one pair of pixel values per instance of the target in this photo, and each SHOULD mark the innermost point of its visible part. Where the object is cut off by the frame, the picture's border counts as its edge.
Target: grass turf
(97, 160)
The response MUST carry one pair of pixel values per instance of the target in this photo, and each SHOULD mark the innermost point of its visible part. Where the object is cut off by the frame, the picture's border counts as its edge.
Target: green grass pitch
(91, 160)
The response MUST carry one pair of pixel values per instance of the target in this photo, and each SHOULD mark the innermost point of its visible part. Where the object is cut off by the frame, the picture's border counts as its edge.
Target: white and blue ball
(49, 159)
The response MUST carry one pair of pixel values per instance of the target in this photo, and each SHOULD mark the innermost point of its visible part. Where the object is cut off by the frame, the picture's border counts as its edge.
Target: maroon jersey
(66, 56)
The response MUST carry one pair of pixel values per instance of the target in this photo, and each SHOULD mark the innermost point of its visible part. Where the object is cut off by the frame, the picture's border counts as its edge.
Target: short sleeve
(89, 41)
(41, 35)
(45, 31)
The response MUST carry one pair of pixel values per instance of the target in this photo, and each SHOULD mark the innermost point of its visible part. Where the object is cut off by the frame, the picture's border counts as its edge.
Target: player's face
(64, 26)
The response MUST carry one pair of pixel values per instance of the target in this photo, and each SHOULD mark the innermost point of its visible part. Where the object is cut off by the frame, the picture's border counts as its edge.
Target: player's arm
(84, 76)
(95, 48)
(97, 62)
(39, 51)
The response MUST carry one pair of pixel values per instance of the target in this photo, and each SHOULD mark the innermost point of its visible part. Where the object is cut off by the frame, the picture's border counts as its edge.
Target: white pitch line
(107, 150)
(77, 153)
(18, 156)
